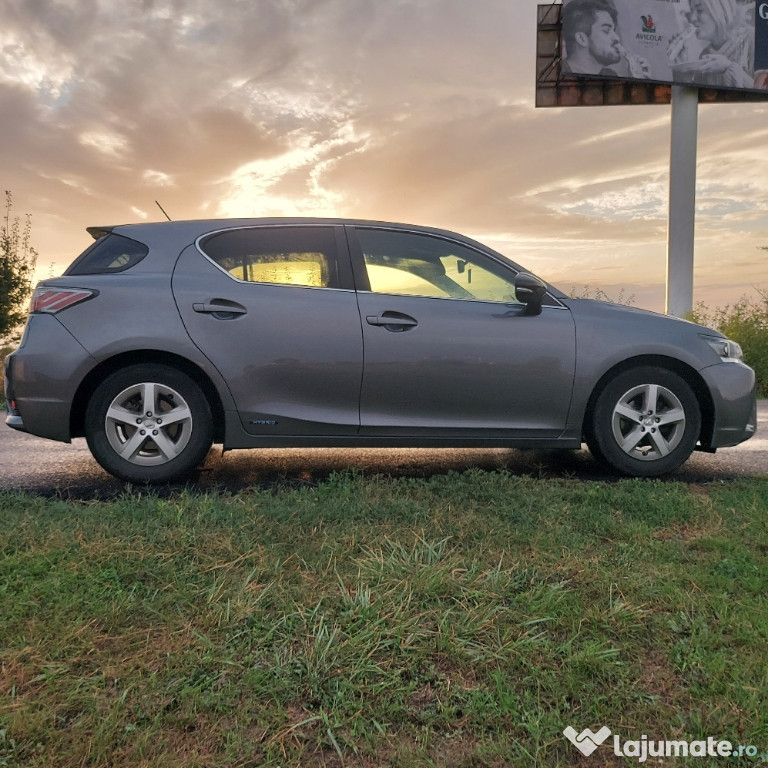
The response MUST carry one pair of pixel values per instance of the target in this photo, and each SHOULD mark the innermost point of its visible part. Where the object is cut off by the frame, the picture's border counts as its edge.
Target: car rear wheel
(645, 422)
(148, 423)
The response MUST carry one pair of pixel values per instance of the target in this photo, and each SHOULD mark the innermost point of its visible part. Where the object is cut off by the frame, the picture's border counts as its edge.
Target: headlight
(725, 349)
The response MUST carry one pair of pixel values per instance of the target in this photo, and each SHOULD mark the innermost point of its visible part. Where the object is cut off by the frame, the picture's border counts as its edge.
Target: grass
(461, 620)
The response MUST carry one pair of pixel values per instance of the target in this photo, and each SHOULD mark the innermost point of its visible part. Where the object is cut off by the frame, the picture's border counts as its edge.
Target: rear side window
(111, 253)
(302, 256)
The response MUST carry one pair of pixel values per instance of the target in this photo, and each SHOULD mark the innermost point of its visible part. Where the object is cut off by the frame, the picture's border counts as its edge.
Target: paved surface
(47, 468)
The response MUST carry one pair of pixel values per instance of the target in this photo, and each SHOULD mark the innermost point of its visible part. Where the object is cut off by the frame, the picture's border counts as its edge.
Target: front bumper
(732, 387)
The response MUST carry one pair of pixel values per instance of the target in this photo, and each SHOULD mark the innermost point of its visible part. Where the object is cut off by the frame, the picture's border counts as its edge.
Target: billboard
(705, 43)
(761, 41)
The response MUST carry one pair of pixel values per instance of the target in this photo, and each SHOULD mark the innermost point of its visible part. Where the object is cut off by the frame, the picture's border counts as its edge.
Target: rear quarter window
(111, 253)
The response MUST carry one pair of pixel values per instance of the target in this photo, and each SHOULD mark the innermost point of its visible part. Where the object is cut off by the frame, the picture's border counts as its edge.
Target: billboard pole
(682, 200)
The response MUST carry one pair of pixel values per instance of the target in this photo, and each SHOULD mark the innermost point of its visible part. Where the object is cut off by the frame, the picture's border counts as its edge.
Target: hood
(606, 310)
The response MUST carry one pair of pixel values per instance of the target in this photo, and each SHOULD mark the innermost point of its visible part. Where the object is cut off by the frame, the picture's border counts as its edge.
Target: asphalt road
(58, 469)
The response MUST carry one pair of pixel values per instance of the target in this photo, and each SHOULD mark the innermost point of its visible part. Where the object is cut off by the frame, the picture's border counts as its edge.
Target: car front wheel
(148, 423)
(645, 422)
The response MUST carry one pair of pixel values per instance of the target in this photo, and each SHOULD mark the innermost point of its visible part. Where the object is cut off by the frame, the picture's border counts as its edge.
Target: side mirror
(530, 291)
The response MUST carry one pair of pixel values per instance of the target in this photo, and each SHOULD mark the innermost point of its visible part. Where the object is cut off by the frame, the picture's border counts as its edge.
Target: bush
(17, 269)
(587, 292)
(746, 322)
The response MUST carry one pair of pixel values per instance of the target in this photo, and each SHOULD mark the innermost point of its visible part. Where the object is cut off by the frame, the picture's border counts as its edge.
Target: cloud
(111, 144)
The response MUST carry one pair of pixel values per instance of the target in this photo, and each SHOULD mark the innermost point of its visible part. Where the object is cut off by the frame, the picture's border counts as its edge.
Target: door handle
(220, 308)
(392, 321)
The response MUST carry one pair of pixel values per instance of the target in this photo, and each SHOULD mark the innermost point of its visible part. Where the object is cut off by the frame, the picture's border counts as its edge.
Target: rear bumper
(15, 422)
(13, 419)
(49, 361)
(732, 386)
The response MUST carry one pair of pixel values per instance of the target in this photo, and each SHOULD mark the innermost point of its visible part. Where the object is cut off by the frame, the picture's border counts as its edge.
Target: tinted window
(420, 265)
(304, 256)
(111, 253)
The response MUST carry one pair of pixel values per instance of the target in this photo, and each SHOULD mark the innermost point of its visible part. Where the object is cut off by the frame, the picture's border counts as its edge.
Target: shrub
(17, 269)
(746, 322)
(587, 292)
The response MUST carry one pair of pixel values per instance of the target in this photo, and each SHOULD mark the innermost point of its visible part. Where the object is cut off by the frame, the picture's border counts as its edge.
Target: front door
(449, 351)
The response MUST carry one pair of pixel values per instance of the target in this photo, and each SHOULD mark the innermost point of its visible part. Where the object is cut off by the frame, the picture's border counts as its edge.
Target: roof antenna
(163, 210)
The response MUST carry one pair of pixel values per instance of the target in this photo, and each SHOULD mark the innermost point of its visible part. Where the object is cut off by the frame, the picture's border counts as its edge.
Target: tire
(148, 424)
(646, 422)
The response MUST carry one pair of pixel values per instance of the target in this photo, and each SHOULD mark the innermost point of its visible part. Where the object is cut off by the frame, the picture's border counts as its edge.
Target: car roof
(197, 227)
(182, 233)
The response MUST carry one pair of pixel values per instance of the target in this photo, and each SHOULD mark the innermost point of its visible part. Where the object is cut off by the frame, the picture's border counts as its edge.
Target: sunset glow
(406, 110)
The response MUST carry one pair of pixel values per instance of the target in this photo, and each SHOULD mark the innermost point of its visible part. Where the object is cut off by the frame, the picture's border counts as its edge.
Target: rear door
(449, 351)
(272, 307)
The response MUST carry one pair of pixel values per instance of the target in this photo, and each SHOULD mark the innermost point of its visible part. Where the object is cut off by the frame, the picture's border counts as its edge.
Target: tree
(17, 267)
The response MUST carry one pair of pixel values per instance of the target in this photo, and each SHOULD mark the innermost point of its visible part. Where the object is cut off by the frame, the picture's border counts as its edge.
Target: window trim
(342, 256)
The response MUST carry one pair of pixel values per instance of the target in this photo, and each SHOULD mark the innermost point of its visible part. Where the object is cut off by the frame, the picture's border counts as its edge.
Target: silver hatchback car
(161, 339)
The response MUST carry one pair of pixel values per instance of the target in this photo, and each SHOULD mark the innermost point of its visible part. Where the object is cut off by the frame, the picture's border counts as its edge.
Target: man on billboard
(592, 42)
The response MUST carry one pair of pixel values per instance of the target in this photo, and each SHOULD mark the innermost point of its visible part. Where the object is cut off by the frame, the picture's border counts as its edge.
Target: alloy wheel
(148, 424)
(648, 422)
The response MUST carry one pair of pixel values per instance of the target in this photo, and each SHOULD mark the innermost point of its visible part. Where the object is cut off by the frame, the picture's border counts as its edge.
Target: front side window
(410, 264)
(302, 256)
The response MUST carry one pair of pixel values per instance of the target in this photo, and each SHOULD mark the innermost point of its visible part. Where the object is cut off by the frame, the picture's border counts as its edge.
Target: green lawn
(461, 620)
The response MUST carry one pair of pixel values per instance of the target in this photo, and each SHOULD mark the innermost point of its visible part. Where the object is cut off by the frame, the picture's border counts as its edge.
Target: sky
(420, 111)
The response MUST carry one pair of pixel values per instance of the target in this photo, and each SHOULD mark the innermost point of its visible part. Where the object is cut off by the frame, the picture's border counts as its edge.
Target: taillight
(53, 300)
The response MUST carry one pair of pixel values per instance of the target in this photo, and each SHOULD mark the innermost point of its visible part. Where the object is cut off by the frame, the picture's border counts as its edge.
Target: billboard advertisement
(761, 41)
(706, 43)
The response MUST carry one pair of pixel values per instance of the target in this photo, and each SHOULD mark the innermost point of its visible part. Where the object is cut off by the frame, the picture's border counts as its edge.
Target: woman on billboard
(724, 29)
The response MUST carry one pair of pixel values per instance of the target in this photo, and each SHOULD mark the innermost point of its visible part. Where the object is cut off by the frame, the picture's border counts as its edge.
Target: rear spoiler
(99, 232)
